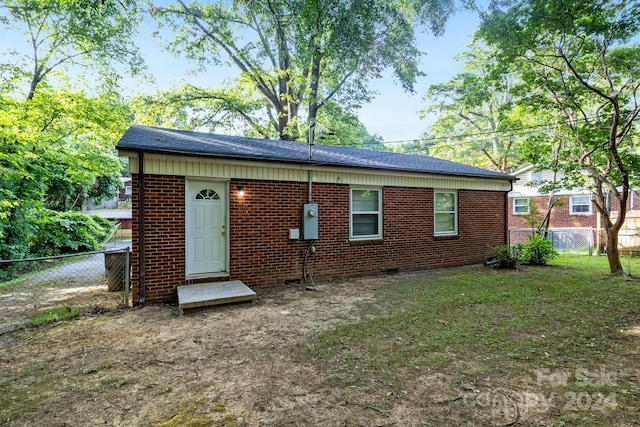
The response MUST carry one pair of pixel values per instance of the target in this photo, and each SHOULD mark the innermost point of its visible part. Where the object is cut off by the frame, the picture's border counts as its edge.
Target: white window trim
(378, 212)
(571, 204)
(454, 232)
(128, 190)
(514, 206)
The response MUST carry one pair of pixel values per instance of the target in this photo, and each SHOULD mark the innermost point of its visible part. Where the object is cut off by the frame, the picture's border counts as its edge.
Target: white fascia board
(164, 164)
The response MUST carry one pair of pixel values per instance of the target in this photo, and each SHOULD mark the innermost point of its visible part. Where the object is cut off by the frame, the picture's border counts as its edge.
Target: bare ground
(149, 365)
(229, 366)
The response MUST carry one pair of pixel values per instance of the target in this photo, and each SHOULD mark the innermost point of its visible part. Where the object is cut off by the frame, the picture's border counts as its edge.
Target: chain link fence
(563, 239)
(78, 282)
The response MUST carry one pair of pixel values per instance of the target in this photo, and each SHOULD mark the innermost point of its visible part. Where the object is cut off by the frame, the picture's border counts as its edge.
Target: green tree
(578, 62)
(338, 127)
(231, 109)
(64, 34)
(56, 142)
(226, 111)
(56, 150)
(296, 56)
(478, 120)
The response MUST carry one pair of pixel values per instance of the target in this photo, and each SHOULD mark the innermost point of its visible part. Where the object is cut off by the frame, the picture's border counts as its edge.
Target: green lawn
(558, 345)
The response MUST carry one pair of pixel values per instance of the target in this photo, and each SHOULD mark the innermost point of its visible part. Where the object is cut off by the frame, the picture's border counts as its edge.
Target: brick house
(124, 193)
(573, 215)
(210, 207)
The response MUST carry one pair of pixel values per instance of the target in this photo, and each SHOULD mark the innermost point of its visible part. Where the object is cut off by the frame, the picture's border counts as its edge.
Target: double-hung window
(580, 205)
(520, 206)
(445, 212)
(366, 213)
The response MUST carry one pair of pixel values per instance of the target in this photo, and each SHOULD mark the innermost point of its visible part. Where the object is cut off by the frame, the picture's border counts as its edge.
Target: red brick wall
(632, 202)
(636, 201)
(261, 253)
(164, 237)
(560, 217)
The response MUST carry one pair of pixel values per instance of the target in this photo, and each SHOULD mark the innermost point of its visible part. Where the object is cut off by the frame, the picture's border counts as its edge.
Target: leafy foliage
(56, 150)
(57, 141)
(53, 233)
(64, 232)
(506, 256)
(231, 109)
(538, 250)
(64, 34)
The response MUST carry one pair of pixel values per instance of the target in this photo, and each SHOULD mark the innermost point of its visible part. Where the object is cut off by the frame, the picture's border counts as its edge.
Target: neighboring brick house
(264, 212)
(574, 212)
(124, 193)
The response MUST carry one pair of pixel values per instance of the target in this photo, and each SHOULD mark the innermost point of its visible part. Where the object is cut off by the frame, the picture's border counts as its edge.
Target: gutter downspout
(507, 236)
(141, 230)
(312, 126)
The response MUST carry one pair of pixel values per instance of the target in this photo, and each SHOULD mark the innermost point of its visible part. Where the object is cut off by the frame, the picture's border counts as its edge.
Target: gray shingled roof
(179, 142)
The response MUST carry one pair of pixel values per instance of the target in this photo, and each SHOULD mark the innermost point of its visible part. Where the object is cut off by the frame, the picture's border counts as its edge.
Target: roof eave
(309, 162)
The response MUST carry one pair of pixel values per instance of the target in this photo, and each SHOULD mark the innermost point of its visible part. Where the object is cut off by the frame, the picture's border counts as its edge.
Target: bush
(64, 232)
(506, 256)
(106, 224)
(538, 250)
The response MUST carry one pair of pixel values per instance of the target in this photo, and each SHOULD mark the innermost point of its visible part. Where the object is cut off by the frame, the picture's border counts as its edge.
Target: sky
(393, 114)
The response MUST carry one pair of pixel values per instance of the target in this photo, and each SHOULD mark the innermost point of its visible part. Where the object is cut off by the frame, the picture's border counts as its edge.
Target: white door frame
(194, 185)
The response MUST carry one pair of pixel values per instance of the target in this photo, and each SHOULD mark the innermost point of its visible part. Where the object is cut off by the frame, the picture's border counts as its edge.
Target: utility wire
(630, 137)
(493, 133)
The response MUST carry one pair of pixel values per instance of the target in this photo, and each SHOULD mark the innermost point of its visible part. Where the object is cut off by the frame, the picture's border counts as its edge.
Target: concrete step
(191, 297)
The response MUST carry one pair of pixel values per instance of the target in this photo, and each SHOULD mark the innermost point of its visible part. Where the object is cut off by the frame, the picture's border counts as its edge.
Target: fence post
(125, 291)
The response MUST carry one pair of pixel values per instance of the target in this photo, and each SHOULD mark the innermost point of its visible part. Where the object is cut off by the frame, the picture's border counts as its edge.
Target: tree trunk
(283, 126)
(615, 266)
(315, 84)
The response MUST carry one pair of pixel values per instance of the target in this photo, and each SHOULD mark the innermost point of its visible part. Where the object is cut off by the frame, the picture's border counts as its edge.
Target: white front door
(206, 227)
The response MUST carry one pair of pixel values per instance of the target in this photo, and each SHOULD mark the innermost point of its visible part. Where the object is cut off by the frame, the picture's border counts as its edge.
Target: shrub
(538, 250)
(125, 204)
(107, 226)
(506, 256)
(63, 232)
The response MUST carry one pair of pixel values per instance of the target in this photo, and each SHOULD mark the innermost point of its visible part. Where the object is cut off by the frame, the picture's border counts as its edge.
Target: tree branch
(337, 88)
(264, 41)
(237, 59)
(582, 81)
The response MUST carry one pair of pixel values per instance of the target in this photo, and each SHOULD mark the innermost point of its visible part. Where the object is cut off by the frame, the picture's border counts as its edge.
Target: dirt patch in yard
(148, 365)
